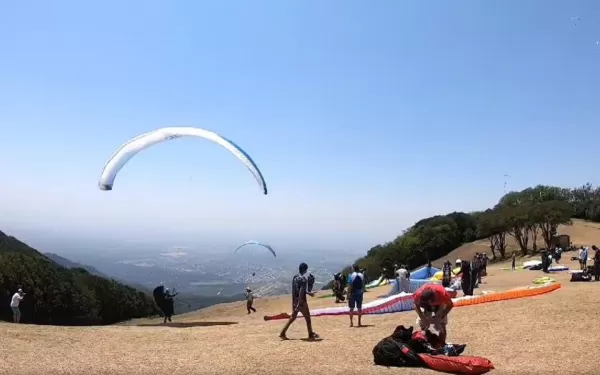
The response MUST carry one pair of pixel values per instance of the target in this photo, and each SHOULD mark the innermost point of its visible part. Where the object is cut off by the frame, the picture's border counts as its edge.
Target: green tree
(549, 215)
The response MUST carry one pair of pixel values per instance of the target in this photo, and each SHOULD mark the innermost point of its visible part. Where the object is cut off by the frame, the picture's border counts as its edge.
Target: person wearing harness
(300, 289)
(356, 288)
(433, 304)
(465, 273)
(446, 274)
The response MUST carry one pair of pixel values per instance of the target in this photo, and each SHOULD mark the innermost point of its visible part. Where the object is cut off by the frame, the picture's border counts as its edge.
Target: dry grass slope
(538, 335)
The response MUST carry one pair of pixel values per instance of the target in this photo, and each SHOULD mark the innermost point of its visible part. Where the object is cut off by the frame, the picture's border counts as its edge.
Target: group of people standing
(470, 272)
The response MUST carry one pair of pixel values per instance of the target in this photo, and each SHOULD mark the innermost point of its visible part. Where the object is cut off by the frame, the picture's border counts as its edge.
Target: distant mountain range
(184, 302)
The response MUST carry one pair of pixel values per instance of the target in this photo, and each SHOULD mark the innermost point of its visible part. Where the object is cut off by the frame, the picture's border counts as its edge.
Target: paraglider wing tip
(105, 187)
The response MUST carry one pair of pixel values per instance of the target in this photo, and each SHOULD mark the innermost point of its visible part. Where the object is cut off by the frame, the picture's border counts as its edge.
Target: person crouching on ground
(433, 304)
(356, 289)
(300, 303)
(249, 300)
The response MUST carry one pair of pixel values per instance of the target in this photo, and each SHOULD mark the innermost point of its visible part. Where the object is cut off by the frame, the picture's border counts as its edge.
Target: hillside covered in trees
(63, 296)
(523, 215)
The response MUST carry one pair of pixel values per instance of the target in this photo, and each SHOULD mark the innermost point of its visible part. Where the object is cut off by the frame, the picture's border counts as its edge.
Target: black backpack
(393, 351)
(357, 282)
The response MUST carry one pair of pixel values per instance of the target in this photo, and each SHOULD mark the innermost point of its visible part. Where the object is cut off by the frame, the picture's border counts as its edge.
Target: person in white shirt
(14, 305)
(403, 281)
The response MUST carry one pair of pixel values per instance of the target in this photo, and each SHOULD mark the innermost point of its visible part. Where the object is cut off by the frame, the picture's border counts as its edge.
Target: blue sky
(363, 117)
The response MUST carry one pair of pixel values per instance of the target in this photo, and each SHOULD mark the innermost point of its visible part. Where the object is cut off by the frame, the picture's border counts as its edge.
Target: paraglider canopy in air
(256, 243)
(129, 149)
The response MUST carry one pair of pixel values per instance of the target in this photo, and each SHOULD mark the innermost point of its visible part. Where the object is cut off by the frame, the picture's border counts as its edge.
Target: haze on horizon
(363, 118)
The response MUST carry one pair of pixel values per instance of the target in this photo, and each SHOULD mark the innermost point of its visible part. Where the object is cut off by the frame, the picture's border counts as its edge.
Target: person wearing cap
(249, 300)
(300, 289)
(433, 304)
(14, 305)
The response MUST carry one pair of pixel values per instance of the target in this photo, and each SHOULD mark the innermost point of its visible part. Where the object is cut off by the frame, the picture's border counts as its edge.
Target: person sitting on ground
(14, 305)
(249, 300)
(300, 302)
(356, 288)
(433, 304)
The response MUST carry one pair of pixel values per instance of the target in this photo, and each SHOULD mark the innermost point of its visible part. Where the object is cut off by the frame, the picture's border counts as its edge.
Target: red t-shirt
(441, 295)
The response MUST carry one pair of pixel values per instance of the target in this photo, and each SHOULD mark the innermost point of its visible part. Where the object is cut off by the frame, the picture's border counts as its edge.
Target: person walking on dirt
(433, 304)
(356, 289)
(169, 305)
(249, 300)
(596, 263)
(300, 303)
(514, 261)
(14, 305)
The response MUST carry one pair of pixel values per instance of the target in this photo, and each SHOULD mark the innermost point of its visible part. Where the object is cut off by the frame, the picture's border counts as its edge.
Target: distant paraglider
(256, 243)
(141, 142)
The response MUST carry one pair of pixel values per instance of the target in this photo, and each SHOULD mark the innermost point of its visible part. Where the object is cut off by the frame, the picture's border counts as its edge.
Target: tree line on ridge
(527, 215)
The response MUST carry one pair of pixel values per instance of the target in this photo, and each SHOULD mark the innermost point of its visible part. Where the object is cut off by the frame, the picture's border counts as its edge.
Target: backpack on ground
(393, 351)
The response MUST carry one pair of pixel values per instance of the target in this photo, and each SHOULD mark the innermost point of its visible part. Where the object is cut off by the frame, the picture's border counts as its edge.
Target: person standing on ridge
(433, 304)
(249, 300)
(14, 305)
(300, 303)
(356, 288)
(169, 304)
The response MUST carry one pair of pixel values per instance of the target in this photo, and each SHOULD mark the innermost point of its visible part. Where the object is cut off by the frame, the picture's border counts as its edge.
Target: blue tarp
(424, 273)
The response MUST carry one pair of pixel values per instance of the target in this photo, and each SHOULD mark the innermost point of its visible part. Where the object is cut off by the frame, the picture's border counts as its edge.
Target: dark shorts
(355, 300)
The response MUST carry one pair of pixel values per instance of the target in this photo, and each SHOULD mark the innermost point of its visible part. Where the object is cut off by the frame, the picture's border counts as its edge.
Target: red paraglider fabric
(463, 365)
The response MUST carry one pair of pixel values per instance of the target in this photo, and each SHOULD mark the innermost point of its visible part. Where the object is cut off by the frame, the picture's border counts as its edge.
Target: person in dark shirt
(485, 262)
(465, 273)
(300, 289)
(596, 263)
(446, 274)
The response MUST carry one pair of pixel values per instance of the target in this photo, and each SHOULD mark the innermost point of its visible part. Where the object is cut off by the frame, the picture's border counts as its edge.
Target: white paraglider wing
(256, 243)
(139, 143)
